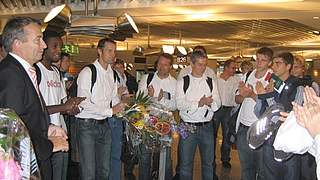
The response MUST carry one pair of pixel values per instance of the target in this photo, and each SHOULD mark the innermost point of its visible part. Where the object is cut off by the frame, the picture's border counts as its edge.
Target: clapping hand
(150, 91)
(308, 115)
(205, 101)
(245, 90)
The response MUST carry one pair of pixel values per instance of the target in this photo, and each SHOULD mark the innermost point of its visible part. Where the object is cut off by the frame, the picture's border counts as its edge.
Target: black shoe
(226, 165)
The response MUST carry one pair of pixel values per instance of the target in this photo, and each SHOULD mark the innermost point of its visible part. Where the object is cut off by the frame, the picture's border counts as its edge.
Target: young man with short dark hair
(251, 160)
(287, 169)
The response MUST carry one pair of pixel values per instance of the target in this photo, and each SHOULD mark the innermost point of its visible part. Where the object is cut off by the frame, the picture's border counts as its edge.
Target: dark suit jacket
(18, 93)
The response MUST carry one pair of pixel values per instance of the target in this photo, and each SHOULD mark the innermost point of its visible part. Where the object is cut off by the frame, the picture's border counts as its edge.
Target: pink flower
(9, 169)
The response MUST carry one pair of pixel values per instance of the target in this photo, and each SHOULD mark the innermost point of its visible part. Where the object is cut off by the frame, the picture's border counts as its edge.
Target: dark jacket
(18, 93)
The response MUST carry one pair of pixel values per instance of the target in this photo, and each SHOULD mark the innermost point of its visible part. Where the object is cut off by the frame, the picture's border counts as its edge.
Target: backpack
(74, 87)
(186, 83)
(38, 72)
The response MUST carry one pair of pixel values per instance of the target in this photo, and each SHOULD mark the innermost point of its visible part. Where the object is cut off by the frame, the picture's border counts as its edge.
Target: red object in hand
(268, 77)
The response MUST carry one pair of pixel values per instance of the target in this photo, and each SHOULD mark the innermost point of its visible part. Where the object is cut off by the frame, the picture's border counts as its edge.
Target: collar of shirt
(23, 62)
(158, 78)
(98, 65)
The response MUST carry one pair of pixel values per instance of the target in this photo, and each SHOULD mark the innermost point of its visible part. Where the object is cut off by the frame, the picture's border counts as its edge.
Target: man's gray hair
(14, 29)
(197, 55)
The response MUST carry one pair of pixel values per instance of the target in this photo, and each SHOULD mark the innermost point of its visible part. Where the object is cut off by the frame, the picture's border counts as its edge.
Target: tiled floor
(224, 174)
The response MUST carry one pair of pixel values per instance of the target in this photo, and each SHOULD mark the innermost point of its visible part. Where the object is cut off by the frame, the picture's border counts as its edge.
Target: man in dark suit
(22, 39)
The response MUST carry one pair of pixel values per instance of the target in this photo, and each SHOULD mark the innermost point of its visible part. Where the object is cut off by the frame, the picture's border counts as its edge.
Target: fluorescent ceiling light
(131, 21)
(182, 50)
(64, 9)
(168, 49)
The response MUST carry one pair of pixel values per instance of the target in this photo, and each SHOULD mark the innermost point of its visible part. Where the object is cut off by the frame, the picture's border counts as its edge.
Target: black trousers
(45, 169)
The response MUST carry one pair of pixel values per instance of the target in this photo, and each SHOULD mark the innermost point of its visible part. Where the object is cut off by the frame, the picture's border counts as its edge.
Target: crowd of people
(57, 107)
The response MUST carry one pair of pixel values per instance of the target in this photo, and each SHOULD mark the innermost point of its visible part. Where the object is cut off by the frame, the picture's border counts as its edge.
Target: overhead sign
(181, 59)
(70, 49)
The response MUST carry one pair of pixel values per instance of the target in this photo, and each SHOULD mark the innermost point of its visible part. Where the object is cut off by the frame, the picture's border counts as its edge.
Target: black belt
(94, 121)
(227, 107)
(198, 123)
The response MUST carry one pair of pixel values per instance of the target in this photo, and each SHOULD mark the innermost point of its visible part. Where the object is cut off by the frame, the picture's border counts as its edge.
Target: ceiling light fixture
(168, 49)
(182, 50)
(57, 19)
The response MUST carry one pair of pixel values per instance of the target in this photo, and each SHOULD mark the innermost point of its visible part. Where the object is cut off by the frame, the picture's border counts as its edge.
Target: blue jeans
(250, 160)
(59, 161)
(222, 117)
(145, 163)
(94, 149)
(116, 126)
(273, 170)
(204, 138)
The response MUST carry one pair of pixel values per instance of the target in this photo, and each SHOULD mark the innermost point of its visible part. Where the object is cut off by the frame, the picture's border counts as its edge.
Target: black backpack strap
(116, 77)
(94, 75)
(186, 83)
(247, 76)
(38, 72)
(57, 70)
(149, 78)
(209, 82)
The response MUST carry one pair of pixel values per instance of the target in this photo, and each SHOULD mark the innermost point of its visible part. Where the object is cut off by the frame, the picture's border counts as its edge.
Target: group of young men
(32, 86)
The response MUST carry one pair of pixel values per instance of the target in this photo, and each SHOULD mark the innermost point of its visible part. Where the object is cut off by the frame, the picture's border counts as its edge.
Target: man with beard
(53, 91)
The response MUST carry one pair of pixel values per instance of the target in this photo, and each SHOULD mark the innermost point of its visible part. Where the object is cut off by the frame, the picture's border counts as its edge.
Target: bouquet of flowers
(17, 158)
(148, 123)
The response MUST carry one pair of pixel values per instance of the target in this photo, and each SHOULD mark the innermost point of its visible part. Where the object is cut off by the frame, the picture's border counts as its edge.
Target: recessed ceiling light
(316, 32)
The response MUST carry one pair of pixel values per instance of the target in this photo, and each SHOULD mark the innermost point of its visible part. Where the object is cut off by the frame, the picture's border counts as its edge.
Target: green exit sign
(70, 49)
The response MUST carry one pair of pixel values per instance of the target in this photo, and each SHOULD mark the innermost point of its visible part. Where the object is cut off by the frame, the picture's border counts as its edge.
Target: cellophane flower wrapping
(17, 158)
(148, 123)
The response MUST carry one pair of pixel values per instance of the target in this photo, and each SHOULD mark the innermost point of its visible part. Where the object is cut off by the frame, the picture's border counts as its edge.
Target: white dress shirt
(187, 70)
(246, 114)
(187, 102)
(167, 84)
(104, 91)
(227, 90)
